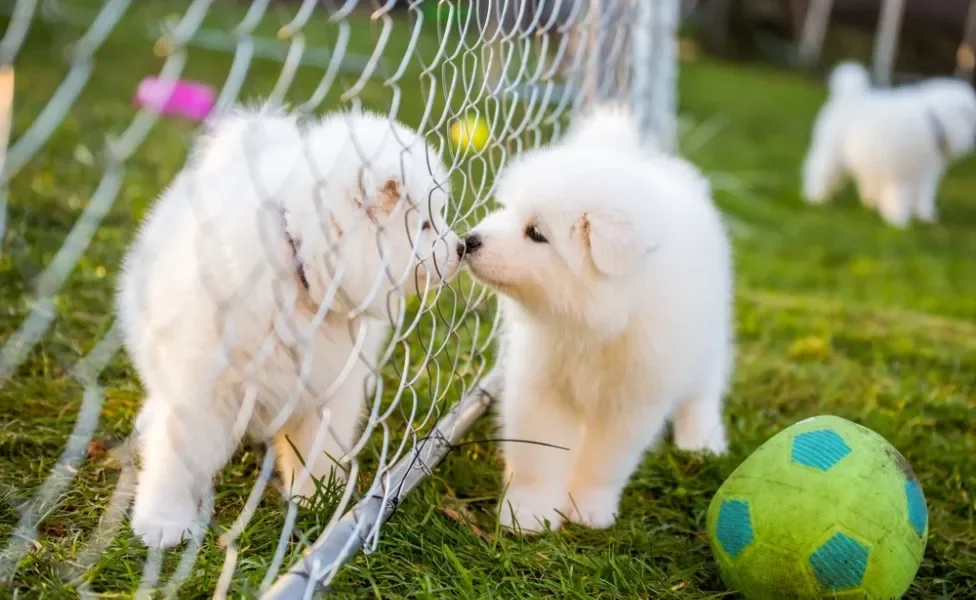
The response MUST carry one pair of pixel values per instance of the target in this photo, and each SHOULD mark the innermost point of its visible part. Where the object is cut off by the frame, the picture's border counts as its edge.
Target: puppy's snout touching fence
(471, 243)
(278, 374)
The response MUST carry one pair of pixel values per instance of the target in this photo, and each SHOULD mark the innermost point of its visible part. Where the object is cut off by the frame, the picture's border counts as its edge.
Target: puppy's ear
(379, 195)
(614, 244)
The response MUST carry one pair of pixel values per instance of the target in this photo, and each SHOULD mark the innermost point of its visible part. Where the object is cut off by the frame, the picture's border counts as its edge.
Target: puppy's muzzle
(469, 245)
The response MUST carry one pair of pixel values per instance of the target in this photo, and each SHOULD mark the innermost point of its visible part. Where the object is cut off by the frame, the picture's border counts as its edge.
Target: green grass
(836, 313)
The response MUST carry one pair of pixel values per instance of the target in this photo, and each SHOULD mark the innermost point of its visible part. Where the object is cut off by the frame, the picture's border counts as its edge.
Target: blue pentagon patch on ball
(820, 449)
(840, 563)
(918, 514)
(734, 527)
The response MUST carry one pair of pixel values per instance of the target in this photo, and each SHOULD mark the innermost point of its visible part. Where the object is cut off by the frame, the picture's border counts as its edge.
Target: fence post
(642, 47)
(886, 40)
(654, 40)
(597, 46)
(814, 31)
(648, 80)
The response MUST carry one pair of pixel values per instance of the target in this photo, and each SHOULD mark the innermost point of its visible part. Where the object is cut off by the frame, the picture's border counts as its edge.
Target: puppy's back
(206, 232)
(243, 133)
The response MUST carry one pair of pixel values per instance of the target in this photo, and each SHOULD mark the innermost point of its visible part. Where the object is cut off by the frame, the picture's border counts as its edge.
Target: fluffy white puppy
(895, 143)
(255, 299)
(615, 277)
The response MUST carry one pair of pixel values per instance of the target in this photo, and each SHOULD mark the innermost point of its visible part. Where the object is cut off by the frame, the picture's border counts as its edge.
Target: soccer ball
(824, 509)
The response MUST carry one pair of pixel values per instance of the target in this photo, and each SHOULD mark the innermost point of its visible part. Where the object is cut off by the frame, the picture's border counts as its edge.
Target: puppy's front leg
(609, 455)
(181, 448)
(536, 475)
(822, 175)
(924, 207)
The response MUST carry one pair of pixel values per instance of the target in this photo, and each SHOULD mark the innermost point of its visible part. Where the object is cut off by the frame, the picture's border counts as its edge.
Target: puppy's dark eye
(535, 234)
(425, 226)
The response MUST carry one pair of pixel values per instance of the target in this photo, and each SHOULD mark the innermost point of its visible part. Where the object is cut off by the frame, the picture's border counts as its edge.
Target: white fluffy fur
(620, 322)
(888, 141)
(218, 323)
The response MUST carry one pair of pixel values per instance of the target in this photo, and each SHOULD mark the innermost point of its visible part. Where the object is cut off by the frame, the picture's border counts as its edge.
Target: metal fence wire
(518, 68)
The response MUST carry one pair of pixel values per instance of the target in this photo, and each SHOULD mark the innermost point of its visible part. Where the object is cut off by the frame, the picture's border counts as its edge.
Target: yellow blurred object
(966, 58)
(470, 133)
(688, 50)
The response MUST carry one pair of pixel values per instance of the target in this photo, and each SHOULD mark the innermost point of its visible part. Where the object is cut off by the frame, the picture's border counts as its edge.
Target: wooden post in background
(6, 112)
(966, 55)
(814, 30)
(886, 40)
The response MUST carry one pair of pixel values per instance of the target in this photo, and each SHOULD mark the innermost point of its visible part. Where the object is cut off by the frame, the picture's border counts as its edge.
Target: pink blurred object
(190, 99)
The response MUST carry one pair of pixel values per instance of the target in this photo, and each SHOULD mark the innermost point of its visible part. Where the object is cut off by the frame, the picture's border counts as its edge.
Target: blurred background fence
(904, 39)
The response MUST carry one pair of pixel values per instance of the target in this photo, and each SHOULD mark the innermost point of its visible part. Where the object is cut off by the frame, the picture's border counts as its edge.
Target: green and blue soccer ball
(824, 509)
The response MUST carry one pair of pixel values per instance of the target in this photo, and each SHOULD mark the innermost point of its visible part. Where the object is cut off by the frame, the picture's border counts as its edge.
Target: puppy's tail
(608, 126)
(244, 131)
(848, 79)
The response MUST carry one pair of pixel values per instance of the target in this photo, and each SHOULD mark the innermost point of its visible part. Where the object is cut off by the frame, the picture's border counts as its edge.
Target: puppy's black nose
(471, 243)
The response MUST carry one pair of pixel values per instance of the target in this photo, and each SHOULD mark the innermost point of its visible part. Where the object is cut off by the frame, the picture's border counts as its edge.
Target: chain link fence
(518, 68)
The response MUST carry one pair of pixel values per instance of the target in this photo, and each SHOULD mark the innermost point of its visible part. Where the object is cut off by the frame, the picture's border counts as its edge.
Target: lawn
(836, 313)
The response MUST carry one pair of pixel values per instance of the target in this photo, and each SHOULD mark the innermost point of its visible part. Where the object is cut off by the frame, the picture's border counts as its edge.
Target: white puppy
(895, 143)
(616, 282)
(256, 297)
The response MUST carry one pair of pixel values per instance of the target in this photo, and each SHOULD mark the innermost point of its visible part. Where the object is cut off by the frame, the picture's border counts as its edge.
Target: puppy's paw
(697, 430)
(895, 215)
(530, 509)
(927, 215)
(692, 437)
(816, 199)
(166, 524)
(897, 223)
(815, 191)
(594, 507)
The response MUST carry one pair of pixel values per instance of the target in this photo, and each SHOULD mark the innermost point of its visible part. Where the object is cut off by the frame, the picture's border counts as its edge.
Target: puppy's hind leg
(698, 422)
(896, 203)
(182, 448)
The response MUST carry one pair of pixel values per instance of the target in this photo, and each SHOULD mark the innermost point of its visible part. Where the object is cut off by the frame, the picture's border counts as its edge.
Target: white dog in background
(256, 297)
(895, 143)
(616, 282)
